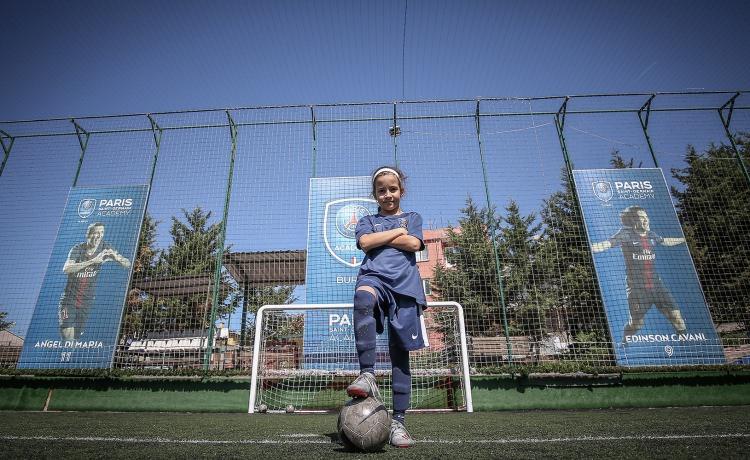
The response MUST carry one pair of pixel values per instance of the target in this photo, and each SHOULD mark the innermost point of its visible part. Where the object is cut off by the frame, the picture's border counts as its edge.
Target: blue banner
(79, 308)
(655, 306)
(333, 260)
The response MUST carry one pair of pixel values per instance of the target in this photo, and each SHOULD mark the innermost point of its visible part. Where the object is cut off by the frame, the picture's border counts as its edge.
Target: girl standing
(389, 291)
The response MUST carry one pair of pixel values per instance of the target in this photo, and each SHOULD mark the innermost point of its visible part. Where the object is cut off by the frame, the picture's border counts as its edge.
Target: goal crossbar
(291, 307)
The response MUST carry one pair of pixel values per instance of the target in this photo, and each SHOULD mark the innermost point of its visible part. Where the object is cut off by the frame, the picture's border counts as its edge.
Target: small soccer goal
(304, 357)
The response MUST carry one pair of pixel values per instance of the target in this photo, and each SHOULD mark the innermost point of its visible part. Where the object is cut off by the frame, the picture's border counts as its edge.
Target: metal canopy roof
(267, 268)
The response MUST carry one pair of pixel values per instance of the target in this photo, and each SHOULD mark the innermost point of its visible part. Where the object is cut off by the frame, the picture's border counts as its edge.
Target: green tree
(5, 324)
(713, 205)
(195, 243)
(618, 162)
(519, 244)
(139, 303)
(270, 295)
(470, 278)
(566, 267)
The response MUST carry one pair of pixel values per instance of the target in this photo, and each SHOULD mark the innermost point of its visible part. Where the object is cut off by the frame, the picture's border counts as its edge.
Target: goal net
(304, 357)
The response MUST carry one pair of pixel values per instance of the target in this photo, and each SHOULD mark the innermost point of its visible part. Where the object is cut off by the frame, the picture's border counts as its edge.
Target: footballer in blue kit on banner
(333, 260)
(79, 308)
(655, 306)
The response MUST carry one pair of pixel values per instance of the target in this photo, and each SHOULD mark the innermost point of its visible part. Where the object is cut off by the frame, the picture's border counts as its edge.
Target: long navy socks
(365, 337)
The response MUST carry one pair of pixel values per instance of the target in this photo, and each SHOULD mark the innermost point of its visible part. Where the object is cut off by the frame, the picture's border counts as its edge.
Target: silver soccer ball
(364, 424)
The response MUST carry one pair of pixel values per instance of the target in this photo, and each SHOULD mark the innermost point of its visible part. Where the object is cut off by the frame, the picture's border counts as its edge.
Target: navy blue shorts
(406, 326)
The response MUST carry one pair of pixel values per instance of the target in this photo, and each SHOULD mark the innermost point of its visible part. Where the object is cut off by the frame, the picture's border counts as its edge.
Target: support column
(157, 132)
(643, 114)
(243, 326)
(220, 246)
(6, 140)
(493, 237)
(725, 121)
(314, 141)
(83, 140)
(395, 131)
(560, 125)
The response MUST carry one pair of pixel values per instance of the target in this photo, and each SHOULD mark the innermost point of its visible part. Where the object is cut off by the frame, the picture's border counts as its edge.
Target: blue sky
(90, 58)
(99, 58)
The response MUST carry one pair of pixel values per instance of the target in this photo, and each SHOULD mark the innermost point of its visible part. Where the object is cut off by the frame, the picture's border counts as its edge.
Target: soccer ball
(290, 409)
(364, 424)
(262, 408)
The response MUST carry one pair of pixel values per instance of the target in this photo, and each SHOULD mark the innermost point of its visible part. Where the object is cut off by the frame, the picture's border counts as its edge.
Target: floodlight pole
(725, 121)
(83, 140)
(220, 246)
(493, 237)
(643, 115)
(5, 137)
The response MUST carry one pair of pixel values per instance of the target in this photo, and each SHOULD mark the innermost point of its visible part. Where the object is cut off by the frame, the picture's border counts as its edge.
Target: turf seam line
(423, 441)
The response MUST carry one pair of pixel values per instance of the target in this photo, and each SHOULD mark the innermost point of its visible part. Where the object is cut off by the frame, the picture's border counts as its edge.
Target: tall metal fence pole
(314, 141)
(83, 140)
(560, 126)
(157, 133)
(220, 246)
(643, 115)
(395, 131)
(493, 236)
(725, 121)
(6, 140)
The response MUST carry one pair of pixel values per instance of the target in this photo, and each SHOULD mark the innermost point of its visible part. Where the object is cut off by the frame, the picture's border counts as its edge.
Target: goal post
(304, 356)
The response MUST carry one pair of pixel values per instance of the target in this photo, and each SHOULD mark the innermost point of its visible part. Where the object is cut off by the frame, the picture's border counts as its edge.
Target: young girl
(389, 290)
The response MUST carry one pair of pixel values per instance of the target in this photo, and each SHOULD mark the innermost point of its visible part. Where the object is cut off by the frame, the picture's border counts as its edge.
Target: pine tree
(5, 324)
(470, 278)
(194, 245)
(567, 268)
(618, 162)
(714, 208)
(144, 264)
(527, 302)
(193, 251)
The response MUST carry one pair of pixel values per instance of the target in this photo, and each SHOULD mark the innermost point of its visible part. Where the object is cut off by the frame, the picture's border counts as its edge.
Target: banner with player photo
(336, 205)
(80, 304)
(655, 306)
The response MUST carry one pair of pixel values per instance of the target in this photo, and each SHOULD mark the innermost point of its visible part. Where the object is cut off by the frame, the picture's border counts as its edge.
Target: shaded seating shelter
(264, 269)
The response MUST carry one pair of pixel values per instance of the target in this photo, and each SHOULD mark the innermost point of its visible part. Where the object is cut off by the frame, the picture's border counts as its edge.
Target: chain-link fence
(225, 225)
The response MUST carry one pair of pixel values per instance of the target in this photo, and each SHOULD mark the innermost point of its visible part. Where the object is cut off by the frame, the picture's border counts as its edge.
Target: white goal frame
(258, 332)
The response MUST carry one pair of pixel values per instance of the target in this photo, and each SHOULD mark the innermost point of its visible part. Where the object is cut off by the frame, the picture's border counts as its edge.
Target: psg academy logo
(602, 190)
(339, 224)
(347, 218)
(86, 207)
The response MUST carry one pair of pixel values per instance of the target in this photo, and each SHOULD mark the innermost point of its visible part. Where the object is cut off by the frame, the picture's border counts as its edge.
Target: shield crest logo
(602, 190)
(86, 207)
(339, 224)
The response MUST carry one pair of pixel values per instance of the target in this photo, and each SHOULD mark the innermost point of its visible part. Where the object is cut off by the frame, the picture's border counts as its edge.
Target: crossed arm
(397, 238)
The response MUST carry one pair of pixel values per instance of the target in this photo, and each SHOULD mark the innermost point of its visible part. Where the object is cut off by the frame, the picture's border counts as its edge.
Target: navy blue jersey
(639, 254)
(81, 286)
(395, 268)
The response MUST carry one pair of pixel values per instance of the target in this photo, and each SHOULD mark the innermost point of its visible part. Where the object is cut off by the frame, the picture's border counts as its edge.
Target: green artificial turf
(698, 432)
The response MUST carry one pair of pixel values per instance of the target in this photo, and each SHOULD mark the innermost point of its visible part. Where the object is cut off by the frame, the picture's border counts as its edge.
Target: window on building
(426, 286)
(451, 255)
(423, 255)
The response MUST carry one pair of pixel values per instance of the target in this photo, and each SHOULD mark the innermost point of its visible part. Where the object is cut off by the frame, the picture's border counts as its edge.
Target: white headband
(385, 170)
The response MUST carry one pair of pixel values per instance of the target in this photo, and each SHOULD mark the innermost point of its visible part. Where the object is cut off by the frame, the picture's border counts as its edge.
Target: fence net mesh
(226, 221)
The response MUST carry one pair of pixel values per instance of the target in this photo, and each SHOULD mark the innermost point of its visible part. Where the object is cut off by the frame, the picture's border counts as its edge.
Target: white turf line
(328, 441)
